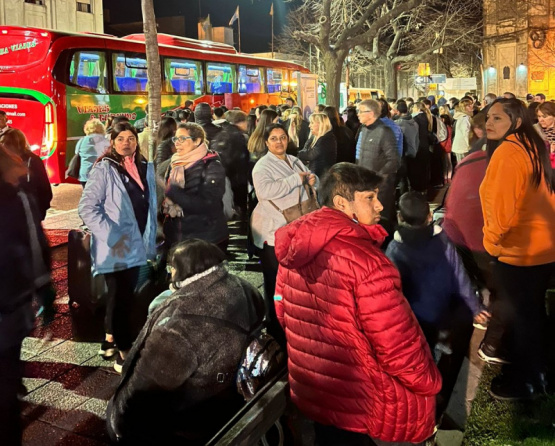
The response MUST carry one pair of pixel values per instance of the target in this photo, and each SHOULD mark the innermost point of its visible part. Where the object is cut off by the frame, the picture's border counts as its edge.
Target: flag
(206, 23)
(272, 10)
(235, 16)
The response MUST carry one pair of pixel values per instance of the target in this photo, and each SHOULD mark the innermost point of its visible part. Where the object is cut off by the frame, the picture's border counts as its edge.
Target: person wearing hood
(118, 205)
(359, 365)
(91, 147)
(203, 117)
(461, 140)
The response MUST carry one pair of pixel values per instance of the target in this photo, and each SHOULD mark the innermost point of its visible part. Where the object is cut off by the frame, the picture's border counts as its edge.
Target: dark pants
(419, 170)
(333, 436)
(269, 270)
(125, 315)
(10, 382)
(458, 325)
(519, 320)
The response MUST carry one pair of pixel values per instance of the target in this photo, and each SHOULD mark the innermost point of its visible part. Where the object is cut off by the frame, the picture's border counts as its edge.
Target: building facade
(61, 15)
(519, 47)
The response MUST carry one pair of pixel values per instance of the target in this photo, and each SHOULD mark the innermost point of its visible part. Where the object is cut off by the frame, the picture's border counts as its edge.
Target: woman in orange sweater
(518, 203)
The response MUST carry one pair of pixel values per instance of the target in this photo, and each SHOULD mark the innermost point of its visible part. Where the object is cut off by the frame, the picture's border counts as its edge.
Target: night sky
(254, 14)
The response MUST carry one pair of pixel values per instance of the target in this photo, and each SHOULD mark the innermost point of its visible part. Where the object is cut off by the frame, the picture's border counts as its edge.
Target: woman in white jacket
(461, 142)
(278, 178)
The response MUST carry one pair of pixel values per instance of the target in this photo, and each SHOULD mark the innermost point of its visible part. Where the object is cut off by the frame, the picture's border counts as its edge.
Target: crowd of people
(373, 300)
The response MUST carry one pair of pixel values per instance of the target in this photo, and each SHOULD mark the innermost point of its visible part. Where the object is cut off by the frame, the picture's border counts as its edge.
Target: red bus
(52, 82)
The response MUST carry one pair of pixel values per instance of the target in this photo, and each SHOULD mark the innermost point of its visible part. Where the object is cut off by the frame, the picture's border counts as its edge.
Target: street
(68, 383)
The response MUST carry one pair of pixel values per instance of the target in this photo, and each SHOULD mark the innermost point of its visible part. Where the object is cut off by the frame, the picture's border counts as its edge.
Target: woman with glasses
(278, 180)
(118, 206)
(193, 180)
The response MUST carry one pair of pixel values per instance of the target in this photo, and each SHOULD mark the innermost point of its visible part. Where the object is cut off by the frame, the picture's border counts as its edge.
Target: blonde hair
(463, 104)
(325, 125)
(420, 106)
(293, 131)
(94, 126)
(285, 114)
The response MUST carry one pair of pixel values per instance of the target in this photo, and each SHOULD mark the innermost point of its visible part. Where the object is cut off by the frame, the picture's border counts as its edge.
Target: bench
(256, 417)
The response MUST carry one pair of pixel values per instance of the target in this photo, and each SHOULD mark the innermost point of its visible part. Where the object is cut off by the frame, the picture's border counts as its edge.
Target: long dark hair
(529, 138)
(167, 129)
(112, 153)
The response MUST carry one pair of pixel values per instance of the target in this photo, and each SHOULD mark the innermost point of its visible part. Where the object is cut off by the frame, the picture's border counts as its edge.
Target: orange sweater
(519, 219)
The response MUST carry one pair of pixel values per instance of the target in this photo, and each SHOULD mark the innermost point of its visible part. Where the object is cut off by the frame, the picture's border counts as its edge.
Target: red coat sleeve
(393, 332)
(278, 297)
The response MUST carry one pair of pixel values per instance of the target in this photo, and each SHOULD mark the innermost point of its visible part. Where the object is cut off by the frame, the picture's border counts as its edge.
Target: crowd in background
(335, 281)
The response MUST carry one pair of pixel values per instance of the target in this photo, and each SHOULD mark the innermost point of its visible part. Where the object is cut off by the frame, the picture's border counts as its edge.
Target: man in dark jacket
(203, 117)
(231, 144)
(410, 142)
(376, 150)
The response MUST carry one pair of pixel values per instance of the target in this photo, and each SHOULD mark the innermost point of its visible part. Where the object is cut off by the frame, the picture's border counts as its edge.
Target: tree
(336, 27)
(415, 36)
(154, 73)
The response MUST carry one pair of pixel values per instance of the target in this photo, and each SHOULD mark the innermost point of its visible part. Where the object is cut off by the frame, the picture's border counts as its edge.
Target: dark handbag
(302, 207)
(74, 167)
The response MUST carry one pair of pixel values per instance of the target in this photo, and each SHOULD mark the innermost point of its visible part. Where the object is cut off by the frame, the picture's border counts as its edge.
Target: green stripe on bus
(41, 97)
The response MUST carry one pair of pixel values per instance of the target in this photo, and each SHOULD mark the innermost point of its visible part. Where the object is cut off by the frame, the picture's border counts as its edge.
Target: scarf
(180, 162)
(131, 168)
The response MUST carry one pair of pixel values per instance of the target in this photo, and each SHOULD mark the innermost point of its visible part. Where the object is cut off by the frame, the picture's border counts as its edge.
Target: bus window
(88, 71)
(251, 79)
(183, 76)
(130, 72)
(276, 79)
(220, 78)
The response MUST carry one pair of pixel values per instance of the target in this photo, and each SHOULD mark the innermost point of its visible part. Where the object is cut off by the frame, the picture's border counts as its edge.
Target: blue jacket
(432, 272)
(90, 148)
(106, 209)
(397, 131)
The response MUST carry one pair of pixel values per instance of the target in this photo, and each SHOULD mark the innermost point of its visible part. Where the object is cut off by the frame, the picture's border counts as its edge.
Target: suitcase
(83, 288)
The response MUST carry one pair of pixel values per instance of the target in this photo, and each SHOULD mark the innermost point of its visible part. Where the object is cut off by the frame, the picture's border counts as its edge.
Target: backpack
(442, 133)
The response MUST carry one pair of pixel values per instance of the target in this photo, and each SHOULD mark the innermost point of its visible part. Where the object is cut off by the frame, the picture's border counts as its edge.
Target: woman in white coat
(278, 178)
(461, 141)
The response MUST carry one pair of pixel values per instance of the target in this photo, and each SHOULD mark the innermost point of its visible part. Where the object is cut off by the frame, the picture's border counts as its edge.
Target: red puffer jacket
(357, 357)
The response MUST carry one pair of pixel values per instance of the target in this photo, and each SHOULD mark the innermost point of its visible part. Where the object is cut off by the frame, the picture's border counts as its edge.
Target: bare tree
(154, 73)
(417, 35)
(336, 27)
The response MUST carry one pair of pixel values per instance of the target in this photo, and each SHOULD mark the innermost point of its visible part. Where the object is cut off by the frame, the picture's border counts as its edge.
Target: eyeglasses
(181, 139)
(278, 138)
(360, 112)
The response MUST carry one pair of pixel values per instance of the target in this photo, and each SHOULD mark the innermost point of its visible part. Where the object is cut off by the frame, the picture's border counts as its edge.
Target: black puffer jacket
(203, 117)
(164, 151)
(232, 147)
(171, 378)
(24, 263)
(38, 183)
(201, 201)
(322, 156)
